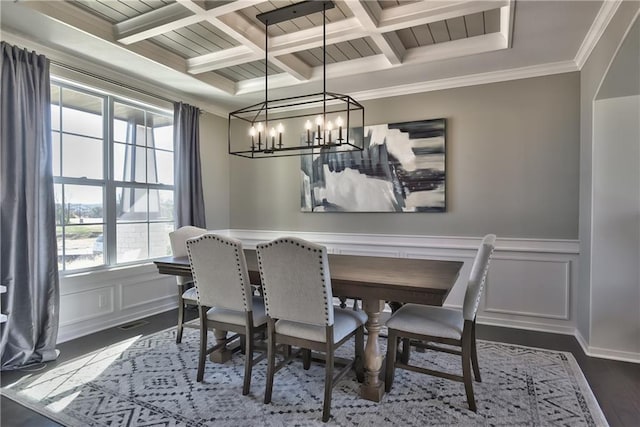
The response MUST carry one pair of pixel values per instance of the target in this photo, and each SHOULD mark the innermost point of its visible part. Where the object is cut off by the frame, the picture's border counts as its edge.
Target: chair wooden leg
(474, 354)
(203, 343)
(306, 359)
(180, 315)
(328, 384)
(360, 354)
(392, 348)
(248, 361)
(243, 344)
(466, 368)
(271, 363)
(406, 350)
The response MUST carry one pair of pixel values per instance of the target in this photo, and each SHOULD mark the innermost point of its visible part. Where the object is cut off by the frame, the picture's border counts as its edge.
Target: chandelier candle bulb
(319, 123)
(252, 132)
(280, 132)
(307, 126)
(339, 124)
(329, 129)
(273, 137)
(259, 127)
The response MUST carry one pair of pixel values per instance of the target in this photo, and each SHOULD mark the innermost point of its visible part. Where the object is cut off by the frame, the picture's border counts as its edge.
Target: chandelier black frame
(266, 140)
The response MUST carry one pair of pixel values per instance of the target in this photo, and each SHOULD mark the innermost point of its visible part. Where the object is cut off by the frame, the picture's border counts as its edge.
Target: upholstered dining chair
(187, 294)
(429, 324)
(225, 297)
(297, 294)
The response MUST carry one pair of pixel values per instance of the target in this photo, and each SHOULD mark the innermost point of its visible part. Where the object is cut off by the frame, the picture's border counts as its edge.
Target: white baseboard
(605, 353)
(526, 325)
(77, 330)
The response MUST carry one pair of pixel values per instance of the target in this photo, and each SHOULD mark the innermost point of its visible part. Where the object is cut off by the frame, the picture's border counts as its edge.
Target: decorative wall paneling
(93, 301)
(531, 283)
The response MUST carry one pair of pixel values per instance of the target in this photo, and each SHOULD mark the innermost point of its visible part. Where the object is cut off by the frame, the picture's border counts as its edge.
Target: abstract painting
(401, 169)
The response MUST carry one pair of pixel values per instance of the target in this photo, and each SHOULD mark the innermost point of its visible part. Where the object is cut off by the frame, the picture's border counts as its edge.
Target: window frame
(108, 183)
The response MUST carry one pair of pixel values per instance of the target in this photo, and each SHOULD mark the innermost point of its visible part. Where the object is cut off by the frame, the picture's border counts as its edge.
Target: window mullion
(110, 202)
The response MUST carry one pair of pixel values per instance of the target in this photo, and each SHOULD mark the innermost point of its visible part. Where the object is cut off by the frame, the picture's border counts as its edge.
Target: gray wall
(215, 170)
(512, 167)
(591, 76)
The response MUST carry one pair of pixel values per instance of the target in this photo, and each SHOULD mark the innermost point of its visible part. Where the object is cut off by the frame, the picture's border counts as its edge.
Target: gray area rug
(150, 381)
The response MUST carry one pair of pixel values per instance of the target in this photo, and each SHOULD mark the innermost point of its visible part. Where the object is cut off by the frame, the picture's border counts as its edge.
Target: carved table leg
(372, 388)
(223, 354)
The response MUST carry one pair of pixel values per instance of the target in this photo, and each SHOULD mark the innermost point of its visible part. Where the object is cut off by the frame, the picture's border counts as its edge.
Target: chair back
(477, 277)
(219, 271)
(296, 281)
(178, 240)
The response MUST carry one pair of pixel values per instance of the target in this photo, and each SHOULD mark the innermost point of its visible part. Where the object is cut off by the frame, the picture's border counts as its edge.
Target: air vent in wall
(132, 325)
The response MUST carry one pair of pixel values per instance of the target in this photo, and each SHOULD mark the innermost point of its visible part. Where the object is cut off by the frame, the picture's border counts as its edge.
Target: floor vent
(132, 325)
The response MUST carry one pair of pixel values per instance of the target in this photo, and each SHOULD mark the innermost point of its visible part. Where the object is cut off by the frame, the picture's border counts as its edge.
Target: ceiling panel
(475, 24)
(388, 4)
(340, 52)
(456, 28)
(491, 21)
(116, 11)
(250, 70)
(195, 40)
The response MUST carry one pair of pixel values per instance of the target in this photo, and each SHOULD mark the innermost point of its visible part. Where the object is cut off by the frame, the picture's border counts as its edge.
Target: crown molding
(603, 18)
(469, 80)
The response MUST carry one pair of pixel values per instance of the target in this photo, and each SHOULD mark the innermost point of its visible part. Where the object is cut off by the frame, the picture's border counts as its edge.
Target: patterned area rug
(151, 381)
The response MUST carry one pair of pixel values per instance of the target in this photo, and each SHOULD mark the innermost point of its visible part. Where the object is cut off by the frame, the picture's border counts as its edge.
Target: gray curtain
(28, 250)
(189, 199)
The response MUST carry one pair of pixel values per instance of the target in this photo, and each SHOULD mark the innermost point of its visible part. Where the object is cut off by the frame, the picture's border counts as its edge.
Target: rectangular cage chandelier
(324, 122)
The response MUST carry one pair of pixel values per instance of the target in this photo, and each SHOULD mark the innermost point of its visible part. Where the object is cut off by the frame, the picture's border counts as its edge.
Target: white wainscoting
(97, 300)
(531, 282)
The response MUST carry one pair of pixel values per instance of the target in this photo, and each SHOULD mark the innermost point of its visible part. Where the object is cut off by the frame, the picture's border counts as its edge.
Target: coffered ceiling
(214, 51)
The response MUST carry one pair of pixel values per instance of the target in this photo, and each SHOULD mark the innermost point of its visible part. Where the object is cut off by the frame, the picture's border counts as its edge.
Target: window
(113, 178)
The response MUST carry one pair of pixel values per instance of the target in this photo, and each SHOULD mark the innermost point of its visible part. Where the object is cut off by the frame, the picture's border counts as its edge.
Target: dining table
(372, 279)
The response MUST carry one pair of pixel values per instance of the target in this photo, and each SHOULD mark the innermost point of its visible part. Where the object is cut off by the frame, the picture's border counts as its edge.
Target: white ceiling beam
(294, 66)
(414, 14)
(391, 47)
(339, 31)
(167, 18)
(221, 59)
(194, 6)
(241, 29)
(507, 14)
(172, 17)
(368, 15)
(252, 37)
(455, 48)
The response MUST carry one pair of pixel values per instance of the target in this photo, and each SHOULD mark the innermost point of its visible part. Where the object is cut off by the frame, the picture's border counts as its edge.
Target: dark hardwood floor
(616, 385)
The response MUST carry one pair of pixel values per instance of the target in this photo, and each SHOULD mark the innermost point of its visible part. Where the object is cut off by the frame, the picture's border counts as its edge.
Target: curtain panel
(189, 199)
(28, 250)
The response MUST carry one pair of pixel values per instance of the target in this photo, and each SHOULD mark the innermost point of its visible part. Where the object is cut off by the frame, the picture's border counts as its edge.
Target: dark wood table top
(421, 281)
